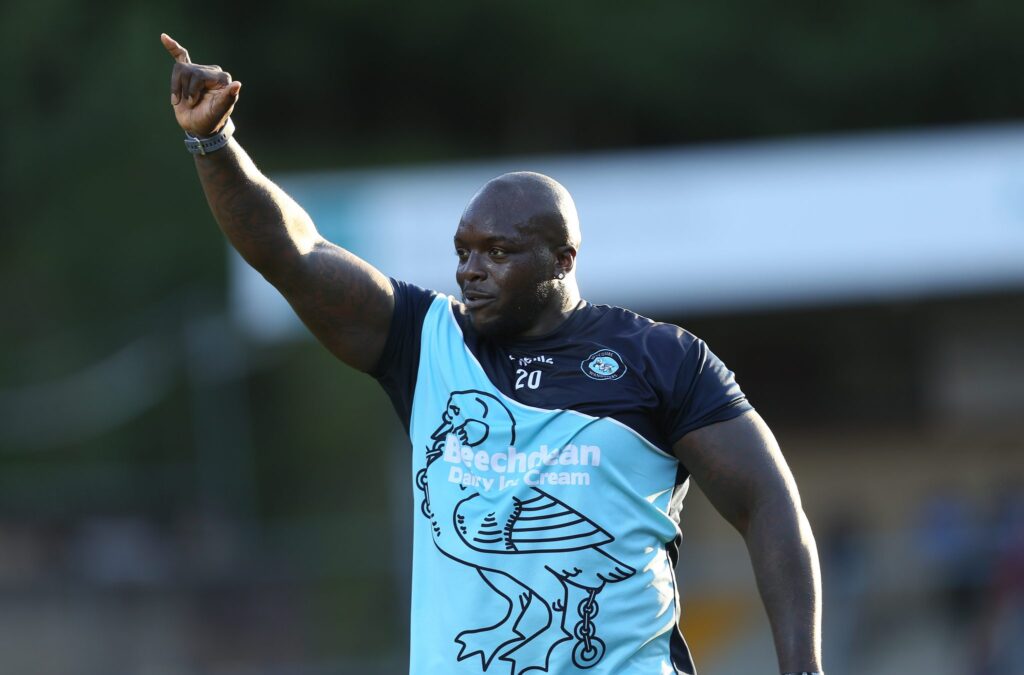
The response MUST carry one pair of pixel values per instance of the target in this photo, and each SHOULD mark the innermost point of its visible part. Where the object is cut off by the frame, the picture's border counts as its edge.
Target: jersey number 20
(527, 379)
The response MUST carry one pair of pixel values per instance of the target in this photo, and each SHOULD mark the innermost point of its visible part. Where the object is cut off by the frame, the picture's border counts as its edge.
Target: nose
(471, 269)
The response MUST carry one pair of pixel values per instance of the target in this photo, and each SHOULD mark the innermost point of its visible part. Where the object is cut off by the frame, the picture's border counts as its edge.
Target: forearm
(785, 562)
(263, 223)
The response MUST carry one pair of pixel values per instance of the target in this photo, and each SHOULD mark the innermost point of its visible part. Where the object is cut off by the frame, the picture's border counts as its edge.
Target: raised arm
(740, 468)
(342, 299)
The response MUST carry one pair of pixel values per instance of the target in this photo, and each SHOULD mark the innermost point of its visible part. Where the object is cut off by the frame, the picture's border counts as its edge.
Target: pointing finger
(179, 53)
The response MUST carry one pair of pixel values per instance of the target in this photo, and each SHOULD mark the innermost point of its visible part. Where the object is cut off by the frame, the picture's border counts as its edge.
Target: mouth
(476, 299)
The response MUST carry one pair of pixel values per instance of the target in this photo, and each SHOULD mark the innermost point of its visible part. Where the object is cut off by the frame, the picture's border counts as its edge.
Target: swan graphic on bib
(539, 553)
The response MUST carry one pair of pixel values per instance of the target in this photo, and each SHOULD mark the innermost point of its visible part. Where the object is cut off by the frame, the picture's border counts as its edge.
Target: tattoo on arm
(259, 219)
(343, 300)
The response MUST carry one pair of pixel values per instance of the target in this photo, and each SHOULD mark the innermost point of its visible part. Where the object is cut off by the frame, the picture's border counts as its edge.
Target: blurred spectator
(949, 542)
(1001, 624)
(121, 551)
(845, 575)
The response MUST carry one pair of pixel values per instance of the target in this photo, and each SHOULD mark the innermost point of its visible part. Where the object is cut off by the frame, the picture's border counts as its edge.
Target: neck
(564, 302)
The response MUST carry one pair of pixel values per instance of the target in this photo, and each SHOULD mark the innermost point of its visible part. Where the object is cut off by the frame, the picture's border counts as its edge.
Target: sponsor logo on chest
(524, 361)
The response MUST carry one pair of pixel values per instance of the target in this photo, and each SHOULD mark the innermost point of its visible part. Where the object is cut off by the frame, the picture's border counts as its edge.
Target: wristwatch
(204, 146)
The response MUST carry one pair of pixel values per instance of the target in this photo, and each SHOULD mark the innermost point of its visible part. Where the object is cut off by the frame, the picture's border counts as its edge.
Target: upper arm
(343, 300)
(738, 466)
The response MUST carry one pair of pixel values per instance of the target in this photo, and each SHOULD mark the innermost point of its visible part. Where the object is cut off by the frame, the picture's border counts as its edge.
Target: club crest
(603, 364)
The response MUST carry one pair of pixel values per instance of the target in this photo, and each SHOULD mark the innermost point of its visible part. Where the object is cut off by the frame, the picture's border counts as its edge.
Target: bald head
(516, 244)
(535, 204)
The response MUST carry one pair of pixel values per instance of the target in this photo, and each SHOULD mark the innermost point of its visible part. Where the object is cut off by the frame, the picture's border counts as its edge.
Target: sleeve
(703, 390)
(400, 360)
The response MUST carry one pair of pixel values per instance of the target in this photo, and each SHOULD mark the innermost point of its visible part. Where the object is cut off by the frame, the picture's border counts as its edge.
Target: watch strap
(204, 146)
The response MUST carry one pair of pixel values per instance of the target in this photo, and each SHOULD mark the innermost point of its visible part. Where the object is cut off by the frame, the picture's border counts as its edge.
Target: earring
(561, 275)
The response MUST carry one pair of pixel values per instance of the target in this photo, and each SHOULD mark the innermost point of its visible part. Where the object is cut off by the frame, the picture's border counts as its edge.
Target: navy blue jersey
(545, 486)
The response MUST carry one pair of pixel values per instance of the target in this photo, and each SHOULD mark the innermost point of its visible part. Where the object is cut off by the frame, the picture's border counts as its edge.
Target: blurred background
(832, 195)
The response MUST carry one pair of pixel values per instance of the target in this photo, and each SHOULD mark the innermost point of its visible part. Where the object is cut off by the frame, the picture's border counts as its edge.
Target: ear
(565, 258)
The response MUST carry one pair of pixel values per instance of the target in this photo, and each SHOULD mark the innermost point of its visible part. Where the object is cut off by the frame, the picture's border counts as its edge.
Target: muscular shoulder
(648, 341)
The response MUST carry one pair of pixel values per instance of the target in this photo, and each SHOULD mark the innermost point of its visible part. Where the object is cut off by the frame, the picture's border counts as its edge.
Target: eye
(496, 252)
(461, 253)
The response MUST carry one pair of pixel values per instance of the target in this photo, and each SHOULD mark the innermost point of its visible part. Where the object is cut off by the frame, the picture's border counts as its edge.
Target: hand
(203, 96)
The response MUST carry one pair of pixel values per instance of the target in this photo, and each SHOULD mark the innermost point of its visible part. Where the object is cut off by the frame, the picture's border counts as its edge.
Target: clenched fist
(203, 96)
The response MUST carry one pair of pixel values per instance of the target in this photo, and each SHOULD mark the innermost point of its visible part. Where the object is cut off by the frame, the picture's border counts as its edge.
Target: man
(553, 440)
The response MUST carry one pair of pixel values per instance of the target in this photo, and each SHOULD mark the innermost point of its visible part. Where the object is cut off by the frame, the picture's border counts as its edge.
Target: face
(505, 272)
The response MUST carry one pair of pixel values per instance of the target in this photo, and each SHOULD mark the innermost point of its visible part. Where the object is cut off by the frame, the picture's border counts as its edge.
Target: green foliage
(325, 437)
(103, 217)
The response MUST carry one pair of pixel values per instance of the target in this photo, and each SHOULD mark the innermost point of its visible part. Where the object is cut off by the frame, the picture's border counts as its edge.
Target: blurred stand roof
(729, 228)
